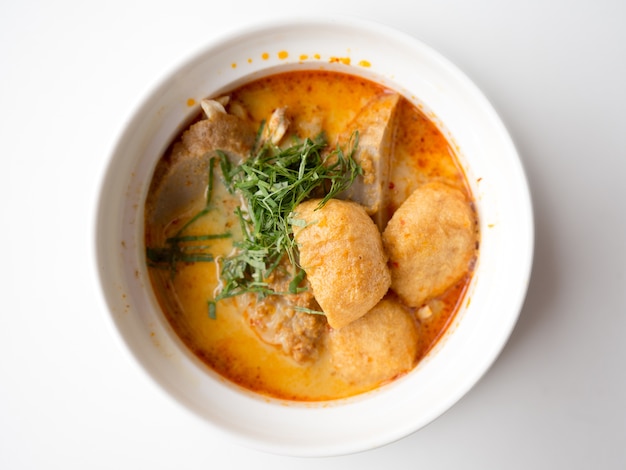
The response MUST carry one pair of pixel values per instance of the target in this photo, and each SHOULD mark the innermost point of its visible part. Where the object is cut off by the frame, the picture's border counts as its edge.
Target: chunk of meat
(431, 241)
(342, 254)
(376, 126)
(276, 126)
(277, 320)
(212, 108)
(377, 347)
(181, 178)
(220, 131)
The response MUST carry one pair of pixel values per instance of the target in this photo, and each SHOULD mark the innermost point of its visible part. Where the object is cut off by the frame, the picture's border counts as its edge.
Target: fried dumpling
(377, 347)
(342, 254)
(430, 240)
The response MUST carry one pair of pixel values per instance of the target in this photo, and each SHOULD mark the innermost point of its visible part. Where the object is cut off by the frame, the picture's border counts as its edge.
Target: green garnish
(184, 248)
(207, 205)
(212, 309)
(272, 183)
(179, 250)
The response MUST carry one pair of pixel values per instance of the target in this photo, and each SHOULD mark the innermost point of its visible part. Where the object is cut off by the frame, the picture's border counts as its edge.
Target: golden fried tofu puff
(377, 347)
(342, 253)
(431, 240)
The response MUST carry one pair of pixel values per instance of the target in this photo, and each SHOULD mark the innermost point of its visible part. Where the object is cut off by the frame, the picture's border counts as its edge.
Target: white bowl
(485, 320)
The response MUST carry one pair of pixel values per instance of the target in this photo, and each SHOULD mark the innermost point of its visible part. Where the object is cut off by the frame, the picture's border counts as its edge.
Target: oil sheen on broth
(241, 343)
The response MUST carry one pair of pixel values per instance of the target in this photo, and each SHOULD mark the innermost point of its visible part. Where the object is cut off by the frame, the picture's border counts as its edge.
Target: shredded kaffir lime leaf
(272, 183)
(186, 248)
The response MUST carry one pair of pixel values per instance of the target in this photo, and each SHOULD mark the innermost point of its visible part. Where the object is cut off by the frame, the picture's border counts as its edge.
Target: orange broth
(227, 344)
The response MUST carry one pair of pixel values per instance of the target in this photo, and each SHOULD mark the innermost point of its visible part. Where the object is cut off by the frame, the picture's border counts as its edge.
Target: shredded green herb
(272, 183)
(212, 309)
(185, 248)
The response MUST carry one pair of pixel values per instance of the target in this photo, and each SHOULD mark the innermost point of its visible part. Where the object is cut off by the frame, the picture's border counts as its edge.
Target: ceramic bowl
(482, 325)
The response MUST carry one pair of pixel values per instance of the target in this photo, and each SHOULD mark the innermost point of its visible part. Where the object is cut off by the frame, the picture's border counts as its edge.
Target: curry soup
(240, 344)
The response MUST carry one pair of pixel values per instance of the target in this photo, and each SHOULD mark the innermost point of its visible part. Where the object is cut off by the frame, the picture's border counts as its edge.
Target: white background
(71, 74)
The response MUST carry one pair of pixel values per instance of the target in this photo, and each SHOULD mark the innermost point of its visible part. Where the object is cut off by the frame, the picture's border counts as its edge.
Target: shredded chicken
(276, 126)
(212, 108)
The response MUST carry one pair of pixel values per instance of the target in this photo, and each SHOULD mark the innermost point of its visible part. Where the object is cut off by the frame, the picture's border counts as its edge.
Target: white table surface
(71, 73)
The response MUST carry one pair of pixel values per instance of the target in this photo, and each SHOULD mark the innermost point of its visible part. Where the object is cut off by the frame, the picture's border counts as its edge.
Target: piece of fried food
(342, 254)
(431, 240)
(376, 126)
(377, 347)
